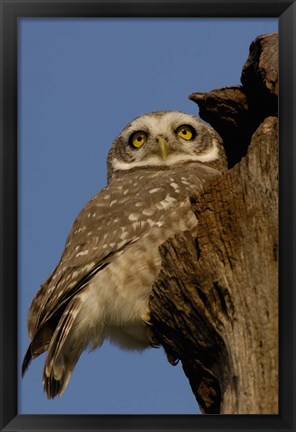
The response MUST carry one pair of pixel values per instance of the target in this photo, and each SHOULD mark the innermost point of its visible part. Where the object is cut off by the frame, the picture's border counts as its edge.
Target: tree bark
(215, 305)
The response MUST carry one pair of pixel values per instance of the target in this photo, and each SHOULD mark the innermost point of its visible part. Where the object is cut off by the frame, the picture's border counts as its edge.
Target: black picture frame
(11, 10)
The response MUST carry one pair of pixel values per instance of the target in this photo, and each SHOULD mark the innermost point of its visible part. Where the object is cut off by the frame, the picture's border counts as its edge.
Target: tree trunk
(215, 305)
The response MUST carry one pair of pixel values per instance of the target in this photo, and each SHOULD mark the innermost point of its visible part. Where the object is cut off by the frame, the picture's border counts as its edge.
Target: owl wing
(84, 255)
(105, 226)
(117, 216)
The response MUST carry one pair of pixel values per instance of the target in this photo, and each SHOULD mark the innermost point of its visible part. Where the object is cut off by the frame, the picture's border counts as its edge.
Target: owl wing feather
(92, 244)
(76, 266)
(53, 313)
(61, 286)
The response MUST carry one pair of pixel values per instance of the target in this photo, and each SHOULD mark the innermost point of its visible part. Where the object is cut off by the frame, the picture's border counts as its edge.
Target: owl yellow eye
(137, 139)
(186, 132)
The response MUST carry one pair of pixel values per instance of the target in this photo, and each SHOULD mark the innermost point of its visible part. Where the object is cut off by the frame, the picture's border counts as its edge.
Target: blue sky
(80, 82)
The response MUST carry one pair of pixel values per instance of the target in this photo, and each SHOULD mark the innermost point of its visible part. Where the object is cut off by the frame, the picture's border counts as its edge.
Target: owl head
(162, 139)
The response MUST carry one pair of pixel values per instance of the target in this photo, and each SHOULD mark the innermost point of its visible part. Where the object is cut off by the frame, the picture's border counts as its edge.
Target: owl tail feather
(62, 355)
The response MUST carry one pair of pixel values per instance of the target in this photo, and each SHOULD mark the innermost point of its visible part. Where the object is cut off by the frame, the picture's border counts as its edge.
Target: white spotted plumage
(101, 286)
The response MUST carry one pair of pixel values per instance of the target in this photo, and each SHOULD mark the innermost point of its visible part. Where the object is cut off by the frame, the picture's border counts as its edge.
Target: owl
(101, 286)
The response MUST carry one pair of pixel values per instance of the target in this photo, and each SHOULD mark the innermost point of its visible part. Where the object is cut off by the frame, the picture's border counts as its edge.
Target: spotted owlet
(101, 286)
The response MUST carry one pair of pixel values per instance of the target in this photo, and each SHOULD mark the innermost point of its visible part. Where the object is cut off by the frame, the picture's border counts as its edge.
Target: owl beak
(163, 148)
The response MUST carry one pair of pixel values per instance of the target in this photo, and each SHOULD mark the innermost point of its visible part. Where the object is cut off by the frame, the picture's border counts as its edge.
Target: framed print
(79, 78)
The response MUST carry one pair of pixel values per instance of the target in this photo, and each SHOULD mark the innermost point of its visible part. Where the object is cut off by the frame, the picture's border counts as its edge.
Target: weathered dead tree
(215, 304)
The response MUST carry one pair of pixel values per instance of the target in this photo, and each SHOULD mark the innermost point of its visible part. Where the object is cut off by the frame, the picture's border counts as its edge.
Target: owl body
(101, 286)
